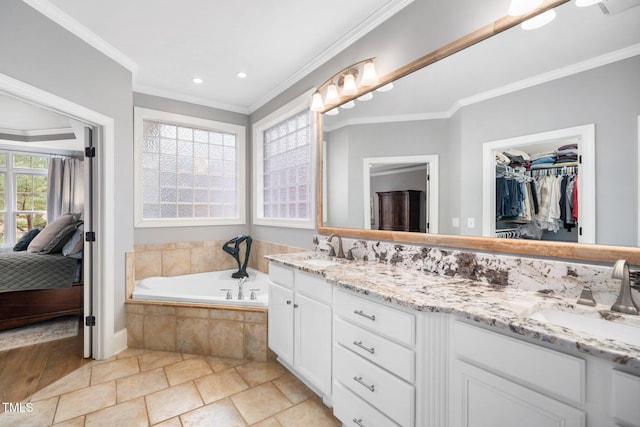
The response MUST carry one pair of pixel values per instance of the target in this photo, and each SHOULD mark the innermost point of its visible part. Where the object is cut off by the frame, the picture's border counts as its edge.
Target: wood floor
(25, 370)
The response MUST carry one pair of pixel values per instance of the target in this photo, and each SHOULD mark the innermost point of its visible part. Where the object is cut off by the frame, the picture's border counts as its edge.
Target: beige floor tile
(173, 401)
(140, 384)
(173, 422)
(260, 402)
(219, 414)
(76, 380)
(222, 363)
(311, 413)
(157, 359)
(41, 414)
(86, 400)
(255, 373)
(269, 422)
(76, 422)
(293, 388)
(114, 370)
(220, 385)
(131, 352)
(187, 370)
(131, 414)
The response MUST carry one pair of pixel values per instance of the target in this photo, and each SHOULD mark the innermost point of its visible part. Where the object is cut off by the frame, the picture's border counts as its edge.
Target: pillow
(75, 245)
(50, 231)
(23, 243)
(55, 245)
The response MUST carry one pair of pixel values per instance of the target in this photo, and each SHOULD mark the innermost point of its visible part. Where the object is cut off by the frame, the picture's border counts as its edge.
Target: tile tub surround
(210, 331)
(176, 258)
(551, 276)
(143, 387)
(502, 307)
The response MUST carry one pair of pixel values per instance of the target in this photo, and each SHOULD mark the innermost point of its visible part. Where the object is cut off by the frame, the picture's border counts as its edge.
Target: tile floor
(157, 388)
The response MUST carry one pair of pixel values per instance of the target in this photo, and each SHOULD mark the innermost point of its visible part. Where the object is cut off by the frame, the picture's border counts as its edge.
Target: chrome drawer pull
(359, 422)
(371, 388)
(359, 344)
(363, 314)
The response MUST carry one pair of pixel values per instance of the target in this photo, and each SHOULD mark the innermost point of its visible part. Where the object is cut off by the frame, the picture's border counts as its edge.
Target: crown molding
(154, 91)
(37, 133)
(375, 19)
(67, 22)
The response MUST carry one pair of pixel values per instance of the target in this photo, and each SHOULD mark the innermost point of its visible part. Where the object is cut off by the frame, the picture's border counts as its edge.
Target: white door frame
(103, 280)
(586, 183)
(432, 185)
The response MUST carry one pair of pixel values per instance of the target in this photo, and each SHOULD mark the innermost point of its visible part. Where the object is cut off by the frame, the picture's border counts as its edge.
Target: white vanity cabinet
(300, 325)
(499, 381)
(374, 363)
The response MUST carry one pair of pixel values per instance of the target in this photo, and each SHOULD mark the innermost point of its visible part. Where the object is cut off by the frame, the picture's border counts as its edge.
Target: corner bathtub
(205, 288)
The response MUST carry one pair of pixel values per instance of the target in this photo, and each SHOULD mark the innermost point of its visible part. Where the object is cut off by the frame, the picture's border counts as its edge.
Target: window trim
(140, 114)
(290, 109)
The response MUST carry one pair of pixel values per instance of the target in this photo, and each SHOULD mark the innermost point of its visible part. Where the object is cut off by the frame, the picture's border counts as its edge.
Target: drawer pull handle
(359, 344)
(371, 388)
(359, 422)
(363, 314)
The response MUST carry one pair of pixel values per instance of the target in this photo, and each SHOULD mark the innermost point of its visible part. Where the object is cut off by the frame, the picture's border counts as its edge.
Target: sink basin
(590, 325)
(320, 262)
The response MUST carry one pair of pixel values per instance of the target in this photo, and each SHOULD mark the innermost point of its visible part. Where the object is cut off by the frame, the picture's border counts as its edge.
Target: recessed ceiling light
(197, 80)
(241, 74)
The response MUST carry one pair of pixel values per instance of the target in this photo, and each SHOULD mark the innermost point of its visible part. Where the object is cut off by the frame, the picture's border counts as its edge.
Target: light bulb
(520, 7)
(369, 75)
(332, 95)
(349, 86)
(316, 102)
(539, 20)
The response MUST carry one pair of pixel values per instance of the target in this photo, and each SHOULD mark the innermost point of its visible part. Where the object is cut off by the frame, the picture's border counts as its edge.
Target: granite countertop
(499, 307)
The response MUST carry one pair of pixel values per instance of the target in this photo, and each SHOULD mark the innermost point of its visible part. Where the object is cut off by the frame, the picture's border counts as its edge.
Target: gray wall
(608, 96)
(37, 51)
(183, 234)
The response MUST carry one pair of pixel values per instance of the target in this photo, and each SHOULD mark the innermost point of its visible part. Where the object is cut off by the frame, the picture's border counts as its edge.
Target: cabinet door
(313, 342)
(480, 399)
(281, 322)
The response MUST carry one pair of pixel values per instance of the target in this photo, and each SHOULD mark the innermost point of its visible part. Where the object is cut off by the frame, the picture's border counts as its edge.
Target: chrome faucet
(240, 290)
(340, 250)
(625, 303)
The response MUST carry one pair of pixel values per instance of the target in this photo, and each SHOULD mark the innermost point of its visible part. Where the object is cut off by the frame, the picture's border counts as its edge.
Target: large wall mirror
(581, 70)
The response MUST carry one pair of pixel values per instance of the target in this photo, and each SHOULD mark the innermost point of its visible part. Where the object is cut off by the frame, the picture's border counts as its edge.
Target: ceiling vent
(610, 7)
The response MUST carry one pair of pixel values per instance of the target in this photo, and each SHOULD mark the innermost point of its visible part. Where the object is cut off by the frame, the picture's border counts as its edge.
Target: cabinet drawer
(355, 412)
(626, 395)
(391, 356)
(547, 370)
(281, 275)
(313, 286)
(389, 394)
(385, 320)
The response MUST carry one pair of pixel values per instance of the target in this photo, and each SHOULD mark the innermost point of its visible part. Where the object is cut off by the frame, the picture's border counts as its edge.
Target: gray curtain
(66, 187)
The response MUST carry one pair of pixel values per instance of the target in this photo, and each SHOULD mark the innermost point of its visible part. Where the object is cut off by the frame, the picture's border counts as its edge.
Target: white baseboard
(119, 341)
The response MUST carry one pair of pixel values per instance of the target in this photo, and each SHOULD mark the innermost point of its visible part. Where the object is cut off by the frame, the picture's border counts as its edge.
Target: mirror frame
(576, 251)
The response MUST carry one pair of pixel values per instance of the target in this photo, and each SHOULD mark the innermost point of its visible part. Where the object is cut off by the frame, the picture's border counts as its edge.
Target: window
(23, 194)
(284, 167)
(189, 171)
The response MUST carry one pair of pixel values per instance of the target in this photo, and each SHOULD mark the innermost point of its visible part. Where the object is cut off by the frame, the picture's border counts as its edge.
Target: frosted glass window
(287, 163)
(188, 172)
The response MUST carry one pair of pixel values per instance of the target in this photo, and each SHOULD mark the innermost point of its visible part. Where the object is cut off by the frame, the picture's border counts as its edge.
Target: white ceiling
(166, 42)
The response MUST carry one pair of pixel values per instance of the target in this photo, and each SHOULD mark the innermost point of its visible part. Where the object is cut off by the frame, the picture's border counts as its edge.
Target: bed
(36, 287)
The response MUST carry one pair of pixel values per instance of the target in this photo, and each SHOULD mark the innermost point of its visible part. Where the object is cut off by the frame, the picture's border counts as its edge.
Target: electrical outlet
(471, 222)
(455, 222)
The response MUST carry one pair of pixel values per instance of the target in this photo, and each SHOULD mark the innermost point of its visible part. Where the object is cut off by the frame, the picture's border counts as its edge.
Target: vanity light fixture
(385, 88)
(348, 105)
(520, 7)
(333, 112)
(347, 82)
(585, 3)
(539, 20)
(366, 97)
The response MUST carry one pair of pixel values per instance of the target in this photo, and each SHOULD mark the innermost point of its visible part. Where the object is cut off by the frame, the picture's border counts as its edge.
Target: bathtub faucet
(234, 251)
(240, 290)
